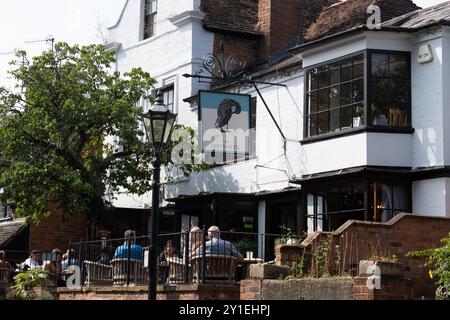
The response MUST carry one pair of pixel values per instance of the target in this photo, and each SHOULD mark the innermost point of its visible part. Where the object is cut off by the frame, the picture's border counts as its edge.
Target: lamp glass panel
(158, 129)
(169, 126)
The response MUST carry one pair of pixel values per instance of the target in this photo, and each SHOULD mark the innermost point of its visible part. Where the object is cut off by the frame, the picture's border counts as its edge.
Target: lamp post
(158, 125)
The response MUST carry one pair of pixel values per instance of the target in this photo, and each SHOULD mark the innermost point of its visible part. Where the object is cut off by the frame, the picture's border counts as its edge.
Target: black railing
(184, 258)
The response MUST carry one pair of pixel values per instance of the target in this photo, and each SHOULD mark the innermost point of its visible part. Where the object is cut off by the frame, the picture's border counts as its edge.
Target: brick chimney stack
(284, 22)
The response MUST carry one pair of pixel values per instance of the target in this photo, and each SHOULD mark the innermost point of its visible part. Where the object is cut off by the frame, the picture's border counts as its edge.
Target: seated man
(32, 262)
(218, 246)
(135, 249)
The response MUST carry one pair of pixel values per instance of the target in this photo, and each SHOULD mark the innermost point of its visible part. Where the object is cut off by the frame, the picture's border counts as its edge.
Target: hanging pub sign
(224, 125)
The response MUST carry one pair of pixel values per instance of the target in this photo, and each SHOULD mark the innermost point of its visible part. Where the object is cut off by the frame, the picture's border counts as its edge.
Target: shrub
(26, 282)
(440, 259)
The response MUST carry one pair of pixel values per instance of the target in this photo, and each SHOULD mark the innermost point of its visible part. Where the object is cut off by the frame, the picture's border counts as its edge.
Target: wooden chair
(5, 276)
(219, 268)
(176, 270)
(397, 117)
(138, 274)
(97, 274)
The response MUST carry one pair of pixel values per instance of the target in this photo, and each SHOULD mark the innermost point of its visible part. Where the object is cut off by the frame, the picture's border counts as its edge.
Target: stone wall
(342, 288)
(299, 289)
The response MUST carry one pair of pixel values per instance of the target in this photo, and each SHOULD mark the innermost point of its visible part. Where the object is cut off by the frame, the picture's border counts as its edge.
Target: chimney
(284, 23)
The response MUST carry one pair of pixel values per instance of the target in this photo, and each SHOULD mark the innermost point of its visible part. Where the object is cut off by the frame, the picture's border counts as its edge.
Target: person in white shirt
(32, 262)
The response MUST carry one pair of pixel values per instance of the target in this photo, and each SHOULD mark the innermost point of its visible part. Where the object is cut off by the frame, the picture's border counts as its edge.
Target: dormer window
(150, 9)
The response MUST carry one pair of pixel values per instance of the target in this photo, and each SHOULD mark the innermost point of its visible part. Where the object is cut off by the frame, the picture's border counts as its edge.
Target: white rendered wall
(273, 167)
(427, 104)
(176, 48)
(387, 149)
(431, 197)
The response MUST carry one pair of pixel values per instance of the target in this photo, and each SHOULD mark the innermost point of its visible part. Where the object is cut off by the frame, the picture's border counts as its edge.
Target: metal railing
(184, 258)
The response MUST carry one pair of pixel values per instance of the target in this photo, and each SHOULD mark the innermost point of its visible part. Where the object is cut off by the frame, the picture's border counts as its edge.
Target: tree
(53, 130)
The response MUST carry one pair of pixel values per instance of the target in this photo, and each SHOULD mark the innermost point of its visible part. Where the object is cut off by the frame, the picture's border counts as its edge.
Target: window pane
(312, 125)
(380, 65)
(334, 97)
(358, 91)
(313, 79)
(358, 115)
(346, 117)
(400, 200)
(312, 104)
(346, 94)
(358, 67)
(380, 89)
(379, 113)
(324, 99)
(346, 73)
(324, 76)
(399, 90)
(399, 66)
(335, 71)
(324, 120)
(397, 116)
(335, 123)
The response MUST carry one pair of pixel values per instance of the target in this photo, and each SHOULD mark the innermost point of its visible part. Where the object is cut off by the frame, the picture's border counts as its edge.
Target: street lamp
(158, 125)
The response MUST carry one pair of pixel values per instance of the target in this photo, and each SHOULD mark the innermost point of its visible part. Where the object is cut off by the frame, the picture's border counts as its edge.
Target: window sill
(352, 131)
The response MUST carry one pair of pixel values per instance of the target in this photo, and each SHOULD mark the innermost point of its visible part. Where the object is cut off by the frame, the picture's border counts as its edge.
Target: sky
(73, 21)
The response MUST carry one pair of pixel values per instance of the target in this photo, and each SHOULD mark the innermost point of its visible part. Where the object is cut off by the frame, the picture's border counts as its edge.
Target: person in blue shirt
(122, 251)
(218, 246)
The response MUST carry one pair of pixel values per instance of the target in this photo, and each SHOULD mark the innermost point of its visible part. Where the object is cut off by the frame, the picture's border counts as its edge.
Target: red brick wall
(179, 292)
(391, 289)
(358, 240)
(284, 22)
(242, 48)
(54, 232)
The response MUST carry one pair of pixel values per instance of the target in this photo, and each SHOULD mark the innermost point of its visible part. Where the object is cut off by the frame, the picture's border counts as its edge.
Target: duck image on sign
(224, 121)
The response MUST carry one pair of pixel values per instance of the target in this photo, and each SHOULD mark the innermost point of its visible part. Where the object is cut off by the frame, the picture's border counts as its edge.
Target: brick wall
(244, 49)
(359, 240)
(55, 232)
(283, 23)
(392, 288)
(179, 292)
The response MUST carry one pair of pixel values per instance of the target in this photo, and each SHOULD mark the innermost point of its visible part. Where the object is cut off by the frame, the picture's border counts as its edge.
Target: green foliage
(53, 130)
(440, 259)
(288, 237)
(297, 268)
(321, 258)
(245, 245)
(25, 282)
(392, 259)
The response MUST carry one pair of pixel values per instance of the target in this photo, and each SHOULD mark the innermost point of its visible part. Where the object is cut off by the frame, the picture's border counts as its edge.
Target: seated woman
(195, 239)
(169, 251)
(55, 268)
(4, 264)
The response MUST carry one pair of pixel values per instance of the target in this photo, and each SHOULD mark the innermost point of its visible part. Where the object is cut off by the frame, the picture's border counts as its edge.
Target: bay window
(336, 97)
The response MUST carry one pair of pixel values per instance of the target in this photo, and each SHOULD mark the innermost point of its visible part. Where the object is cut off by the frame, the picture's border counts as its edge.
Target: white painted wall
(431, 197)
(273, 167)
(427, 104)
(334, 154)
(178, 46)
(180, 43)
(387, 149)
